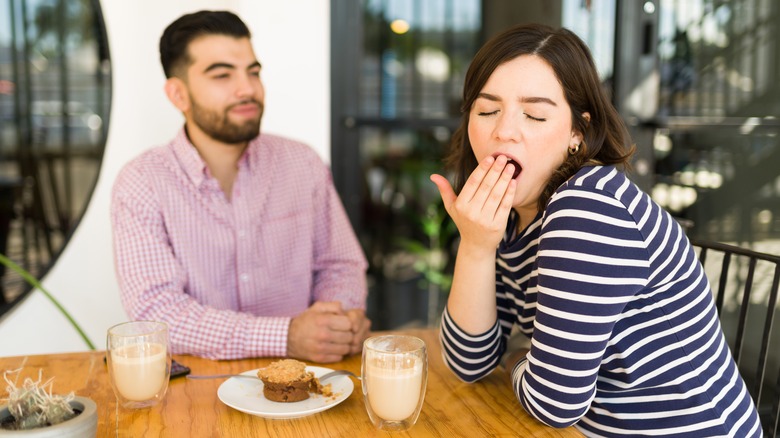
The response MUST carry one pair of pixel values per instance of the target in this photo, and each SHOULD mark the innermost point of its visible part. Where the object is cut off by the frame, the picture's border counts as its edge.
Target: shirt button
(241, 233)
(244, 277)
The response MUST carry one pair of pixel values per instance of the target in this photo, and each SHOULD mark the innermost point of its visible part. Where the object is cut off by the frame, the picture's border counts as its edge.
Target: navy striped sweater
(625, 336)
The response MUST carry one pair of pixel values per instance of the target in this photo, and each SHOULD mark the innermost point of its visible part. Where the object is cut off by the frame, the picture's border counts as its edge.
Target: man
(237, 240)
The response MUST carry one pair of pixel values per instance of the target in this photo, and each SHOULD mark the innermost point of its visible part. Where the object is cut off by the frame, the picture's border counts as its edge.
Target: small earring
(574, 150)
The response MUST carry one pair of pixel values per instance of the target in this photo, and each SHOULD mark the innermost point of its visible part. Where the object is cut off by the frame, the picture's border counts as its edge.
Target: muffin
(288, 381)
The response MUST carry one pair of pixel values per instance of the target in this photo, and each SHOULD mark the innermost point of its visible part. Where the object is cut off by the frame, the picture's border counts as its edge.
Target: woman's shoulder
(607, 180)
(593, 185)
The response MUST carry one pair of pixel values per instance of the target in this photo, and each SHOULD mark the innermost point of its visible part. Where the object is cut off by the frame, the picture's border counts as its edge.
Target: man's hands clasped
(326, 333)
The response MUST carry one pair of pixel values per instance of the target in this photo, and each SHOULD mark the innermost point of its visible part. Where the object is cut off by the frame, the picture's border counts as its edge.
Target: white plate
(246, 395)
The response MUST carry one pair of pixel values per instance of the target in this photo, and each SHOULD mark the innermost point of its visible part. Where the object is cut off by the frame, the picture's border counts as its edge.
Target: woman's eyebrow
(538, 100)
(494, 98)
(490, 97)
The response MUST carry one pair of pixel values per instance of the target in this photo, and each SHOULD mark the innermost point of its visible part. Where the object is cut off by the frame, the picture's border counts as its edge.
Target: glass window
(716, 147)
(54, 103)
(400, 107)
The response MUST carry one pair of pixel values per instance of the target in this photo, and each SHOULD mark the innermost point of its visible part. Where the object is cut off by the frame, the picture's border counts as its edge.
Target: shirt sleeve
(152, 284)
(470, 357)
(339, 264)
(591, 261)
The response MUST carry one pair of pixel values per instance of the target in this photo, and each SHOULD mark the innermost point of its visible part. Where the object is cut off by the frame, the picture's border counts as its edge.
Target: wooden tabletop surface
(191, 408)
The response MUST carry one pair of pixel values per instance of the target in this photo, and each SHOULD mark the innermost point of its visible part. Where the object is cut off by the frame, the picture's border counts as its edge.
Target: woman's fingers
(490, 183)
(498, 191)
(484, 203)
(507, 200)
(475, 179)
(445, 190)
(482, 193)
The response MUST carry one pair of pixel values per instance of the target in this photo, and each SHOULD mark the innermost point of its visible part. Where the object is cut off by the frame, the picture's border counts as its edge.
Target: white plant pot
(81, 426)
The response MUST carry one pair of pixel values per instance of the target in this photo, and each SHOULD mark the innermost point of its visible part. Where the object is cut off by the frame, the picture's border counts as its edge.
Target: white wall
(294, 50)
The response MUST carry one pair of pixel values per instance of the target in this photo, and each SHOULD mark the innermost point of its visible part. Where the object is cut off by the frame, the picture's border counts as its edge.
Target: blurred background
(696, 81)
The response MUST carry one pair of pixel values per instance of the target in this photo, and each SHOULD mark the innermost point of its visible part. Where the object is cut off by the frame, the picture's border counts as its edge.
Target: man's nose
(244, 86)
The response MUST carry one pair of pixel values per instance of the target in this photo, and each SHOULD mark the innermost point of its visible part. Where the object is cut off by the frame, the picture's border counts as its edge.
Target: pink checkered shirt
(227, 276)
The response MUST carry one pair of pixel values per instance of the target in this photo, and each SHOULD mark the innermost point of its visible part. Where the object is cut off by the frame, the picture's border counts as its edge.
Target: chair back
(747, 286)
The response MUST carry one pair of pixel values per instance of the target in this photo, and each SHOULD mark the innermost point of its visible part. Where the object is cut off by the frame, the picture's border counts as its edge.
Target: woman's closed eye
(536, 119)
(493, 113)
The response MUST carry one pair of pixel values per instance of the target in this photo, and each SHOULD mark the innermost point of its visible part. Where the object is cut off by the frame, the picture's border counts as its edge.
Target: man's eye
(485, 113)
(255, 73)
(536, 119)
(221, 76)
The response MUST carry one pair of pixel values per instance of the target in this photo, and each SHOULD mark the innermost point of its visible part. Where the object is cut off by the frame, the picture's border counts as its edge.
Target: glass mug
(394, 375)
(139, 362)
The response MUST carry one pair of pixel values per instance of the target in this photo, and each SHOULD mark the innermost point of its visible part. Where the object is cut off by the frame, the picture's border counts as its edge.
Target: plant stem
(34, 283)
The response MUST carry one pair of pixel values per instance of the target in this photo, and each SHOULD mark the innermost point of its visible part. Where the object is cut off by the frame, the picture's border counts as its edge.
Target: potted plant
(432, 255)
(34, 411)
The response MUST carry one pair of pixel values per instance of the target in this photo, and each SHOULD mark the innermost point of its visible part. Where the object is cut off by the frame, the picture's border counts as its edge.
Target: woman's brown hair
(605, 137)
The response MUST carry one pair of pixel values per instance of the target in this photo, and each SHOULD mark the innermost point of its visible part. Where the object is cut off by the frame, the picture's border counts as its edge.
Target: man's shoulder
(287, 148)
(152, 161)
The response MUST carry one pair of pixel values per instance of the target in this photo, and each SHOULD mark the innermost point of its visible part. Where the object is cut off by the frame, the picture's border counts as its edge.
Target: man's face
(224, 88)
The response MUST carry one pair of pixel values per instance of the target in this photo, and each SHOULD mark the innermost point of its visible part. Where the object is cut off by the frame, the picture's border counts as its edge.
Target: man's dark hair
(178, 35)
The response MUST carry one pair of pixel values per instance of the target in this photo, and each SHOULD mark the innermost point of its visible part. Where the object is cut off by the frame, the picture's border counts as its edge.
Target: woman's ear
(577, 136)
(176, 90)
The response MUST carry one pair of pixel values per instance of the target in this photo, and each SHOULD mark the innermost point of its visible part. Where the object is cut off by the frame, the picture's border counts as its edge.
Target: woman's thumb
(445, 190)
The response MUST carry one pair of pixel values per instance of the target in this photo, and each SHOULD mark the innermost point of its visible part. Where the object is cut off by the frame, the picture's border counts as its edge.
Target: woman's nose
(508, 128)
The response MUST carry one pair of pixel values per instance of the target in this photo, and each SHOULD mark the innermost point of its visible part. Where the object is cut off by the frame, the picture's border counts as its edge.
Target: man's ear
(176, 90)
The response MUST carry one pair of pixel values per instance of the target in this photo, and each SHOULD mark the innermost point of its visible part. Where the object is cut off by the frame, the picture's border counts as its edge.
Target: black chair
(746, 299)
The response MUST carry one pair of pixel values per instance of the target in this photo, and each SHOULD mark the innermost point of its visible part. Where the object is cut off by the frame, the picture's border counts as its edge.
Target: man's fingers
(336, 322)
(335, 336)
(327, 306)
(358, 318)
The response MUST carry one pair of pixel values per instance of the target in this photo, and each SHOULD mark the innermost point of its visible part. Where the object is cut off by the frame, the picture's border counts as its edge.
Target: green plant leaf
(413, 246)
(34, 283)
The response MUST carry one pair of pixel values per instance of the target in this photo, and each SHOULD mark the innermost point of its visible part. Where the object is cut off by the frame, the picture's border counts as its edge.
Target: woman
(625, 339)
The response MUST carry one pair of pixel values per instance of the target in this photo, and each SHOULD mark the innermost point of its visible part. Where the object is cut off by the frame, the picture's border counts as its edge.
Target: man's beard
(220, 128)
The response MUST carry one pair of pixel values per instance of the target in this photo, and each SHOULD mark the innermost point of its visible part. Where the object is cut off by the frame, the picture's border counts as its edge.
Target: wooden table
(191, 407)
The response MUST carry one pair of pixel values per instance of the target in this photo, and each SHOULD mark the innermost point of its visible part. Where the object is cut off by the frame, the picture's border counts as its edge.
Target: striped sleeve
(470, 357)
(591, 262)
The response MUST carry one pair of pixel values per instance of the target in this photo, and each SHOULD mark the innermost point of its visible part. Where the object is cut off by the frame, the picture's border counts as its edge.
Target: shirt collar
(194, 166)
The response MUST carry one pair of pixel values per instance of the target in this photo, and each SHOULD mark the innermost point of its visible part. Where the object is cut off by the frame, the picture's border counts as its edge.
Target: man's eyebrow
(495, 98)
(217, 65)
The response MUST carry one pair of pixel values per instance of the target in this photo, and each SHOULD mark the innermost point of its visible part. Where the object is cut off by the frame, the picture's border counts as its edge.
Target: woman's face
(521, 113)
